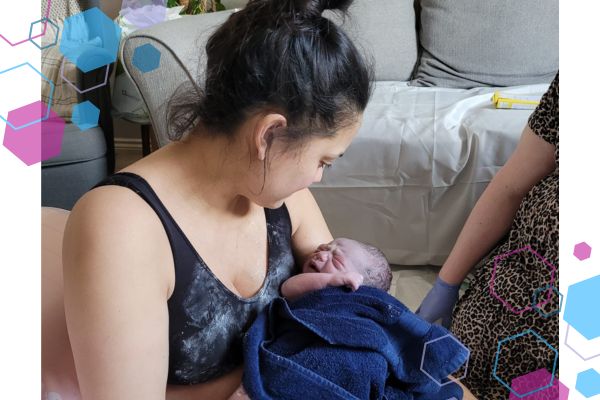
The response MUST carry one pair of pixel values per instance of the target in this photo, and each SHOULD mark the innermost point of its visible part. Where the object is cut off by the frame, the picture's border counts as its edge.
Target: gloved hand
(439, 302)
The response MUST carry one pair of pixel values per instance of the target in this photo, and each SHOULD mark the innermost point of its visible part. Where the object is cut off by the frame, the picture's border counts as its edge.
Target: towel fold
(338, 344)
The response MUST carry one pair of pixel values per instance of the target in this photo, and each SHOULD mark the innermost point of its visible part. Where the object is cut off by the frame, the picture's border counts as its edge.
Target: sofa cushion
(79, 146)
(384, 31)
(470, 43)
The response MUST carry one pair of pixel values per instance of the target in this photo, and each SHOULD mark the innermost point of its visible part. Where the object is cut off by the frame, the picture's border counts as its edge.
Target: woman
(167, 262)
(519, 208)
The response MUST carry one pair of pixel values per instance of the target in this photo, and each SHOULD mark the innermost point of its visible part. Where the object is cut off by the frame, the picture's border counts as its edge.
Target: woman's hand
(439, 303)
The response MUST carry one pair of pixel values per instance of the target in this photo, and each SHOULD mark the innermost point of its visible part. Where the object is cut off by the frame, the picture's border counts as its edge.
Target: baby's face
(339, 256)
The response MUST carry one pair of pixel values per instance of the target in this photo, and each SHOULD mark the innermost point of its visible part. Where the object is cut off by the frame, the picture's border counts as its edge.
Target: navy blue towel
(336, 344)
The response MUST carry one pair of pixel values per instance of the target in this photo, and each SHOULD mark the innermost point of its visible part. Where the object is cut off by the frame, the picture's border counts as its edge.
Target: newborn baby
(338, 263)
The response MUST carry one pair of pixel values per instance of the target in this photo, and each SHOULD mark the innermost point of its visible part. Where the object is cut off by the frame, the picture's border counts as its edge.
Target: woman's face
(291, 171)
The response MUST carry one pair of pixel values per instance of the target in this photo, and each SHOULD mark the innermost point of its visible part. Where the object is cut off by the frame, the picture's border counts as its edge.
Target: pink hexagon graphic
(36, 142)
(509, 306)
(582, 251)
(536, 379)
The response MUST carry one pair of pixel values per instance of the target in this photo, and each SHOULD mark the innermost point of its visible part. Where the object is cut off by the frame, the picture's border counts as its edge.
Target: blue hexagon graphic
(85, 115)
(146, 58)
(508, 339)
(536, 304)
(56, 30)
(582, 302)
(90, 39)
(588, 383)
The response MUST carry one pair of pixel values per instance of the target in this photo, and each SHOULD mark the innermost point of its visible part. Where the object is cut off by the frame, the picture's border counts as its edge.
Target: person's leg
(59, 379)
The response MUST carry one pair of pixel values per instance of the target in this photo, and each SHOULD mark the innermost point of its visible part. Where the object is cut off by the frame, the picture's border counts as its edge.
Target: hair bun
(314, 8)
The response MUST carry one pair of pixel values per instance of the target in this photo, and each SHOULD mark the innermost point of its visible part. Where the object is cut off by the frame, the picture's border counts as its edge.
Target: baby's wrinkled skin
(338, 263)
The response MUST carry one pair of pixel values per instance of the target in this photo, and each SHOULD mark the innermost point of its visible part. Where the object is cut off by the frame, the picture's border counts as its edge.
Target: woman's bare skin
(134, 364)
(58, 369)
(59, 378)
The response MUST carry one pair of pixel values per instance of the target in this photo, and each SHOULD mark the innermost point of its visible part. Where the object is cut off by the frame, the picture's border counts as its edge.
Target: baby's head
(346, 255)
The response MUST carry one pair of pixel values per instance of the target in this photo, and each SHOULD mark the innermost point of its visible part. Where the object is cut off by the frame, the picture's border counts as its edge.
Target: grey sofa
(86, 157)
(431, 139)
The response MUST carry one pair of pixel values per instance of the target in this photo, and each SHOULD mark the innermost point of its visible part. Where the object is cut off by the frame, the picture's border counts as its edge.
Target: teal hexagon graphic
(531, 336)
(85, 115)
(553, 303)
(51, 26)
(90, 39)
(146, 57)
(588, 383)
(582, 305)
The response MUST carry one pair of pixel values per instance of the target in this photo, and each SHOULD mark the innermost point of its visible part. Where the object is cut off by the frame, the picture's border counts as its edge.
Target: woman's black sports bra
(206, 319)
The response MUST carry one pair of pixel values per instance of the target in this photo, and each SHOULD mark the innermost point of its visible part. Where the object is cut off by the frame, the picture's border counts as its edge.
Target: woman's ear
(264, 132)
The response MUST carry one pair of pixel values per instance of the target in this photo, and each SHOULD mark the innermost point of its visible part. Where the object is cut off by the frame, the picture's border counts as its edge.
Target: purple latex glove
(439, 303)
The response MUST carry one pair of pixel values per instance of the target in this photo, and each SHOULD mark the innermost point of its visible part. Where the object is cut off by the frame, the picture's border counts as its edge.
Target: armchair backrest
(181, 43)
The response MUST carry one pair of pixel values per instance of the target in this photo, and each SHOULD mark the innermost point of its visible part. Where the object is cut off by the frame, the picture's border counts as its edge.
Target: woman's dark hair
(279, 55)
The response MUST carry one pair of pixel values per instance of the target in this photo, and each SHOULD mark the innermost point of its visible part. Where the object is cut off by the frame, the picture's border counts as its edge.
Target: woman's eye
(324, 165)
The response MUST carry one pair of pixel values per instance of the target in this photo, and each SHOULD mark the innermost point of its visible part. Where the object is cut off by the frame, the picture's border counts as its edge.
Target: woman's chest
(236, 255)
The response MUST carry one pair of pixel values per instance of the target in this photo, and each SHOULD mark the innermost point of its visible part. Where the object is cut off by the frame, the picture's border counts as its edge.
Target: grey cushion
(469, 43)
(80, 165)
(79, 146)
(384, 30)
(63, 185)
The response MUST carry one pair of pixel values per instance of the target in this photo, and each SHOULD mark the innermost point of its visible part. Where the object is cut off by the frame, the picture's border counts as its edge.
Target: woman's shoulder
(112, 206)
(111, 214)
(114, 228)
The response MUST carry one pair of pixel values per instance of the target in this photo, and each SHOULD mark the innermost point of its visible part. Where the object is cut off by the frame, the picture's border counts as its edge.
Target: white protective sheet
(420, 161)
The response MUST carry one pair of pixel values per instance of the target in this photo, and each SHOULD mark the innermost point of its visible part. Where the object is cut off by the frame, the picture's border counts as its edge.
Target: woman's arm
(309, 228)
(115, 298)
(495, 210)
